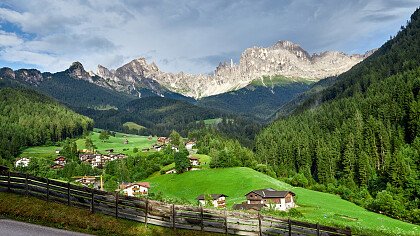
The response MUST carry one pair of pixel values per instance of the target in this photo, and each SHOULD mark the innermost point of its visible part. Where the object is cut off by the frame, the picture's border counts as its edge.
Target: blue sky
(186, 35)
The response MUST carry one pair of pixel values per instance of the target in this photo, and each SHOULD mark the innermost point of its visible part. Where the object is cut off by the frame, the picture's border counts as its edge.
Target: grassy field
(56, 215)
(116, 143)
(315, 206)
(133, 126)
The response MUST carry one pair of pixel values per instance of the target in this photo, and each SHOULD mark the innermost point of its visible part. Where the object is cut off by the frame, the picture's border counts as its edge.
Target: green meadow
(116, 143)
(315, 206)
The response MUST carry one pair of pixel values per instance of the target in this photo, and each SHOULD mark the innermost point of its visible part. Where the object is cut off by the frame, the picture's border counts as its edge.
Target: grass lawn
(116, 143)
(315, 206)
(57, 215)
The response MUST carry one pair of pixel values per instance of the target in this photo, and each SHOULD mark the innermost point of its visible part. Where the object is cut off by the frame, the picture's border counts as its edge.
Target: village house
(189, 145)
(194, 161)
(163, 140)
(278, 200)
(60, 160)
(217, 200)
(175, 148)
(57, 151)
(145, 149)
(89, 180)
(157, 147)
(22, 162)
(135, 189)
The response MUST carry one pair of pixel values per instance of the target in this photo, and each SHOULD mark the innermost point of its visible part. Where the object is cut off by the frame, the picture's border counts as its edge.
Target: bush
(299, 180)
(135, 150)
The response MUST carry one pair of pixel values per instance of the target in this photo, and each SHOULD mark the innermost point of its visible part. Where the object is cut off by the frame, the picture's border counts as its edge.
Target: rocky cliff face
(284, 58)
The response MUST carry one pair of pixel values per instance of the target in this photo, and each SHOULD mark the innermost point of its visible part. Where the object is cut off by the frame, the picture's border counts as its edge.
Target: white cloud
(188, 35)
(9, 39)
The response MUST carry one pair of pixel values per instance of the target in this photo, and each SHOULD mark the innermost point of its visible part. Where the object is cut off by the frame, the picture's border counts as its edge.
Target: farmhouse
(217, 200)
(189, 145)
(89, 180)
(278, 200)
(194, 161)
(163, 140)
(60, 160)
(22, 162)
(157, 147)
(135, 189)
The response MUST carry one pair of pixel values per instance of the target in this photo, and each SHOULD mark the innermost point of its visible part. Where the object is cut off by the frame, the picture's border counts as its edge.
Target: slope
(258, 100)
(315, 206)
(28, 118)
(359, 138)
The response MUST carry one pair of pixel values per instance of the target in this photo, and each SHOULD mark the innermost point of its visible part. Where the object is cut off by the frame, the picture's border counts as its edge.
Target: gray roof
(213, 196)
(271, 193)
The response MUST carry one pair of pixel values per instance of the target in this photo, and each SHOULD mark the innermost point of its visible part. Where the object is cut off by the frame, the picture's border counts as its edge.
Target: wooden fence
(159, 213)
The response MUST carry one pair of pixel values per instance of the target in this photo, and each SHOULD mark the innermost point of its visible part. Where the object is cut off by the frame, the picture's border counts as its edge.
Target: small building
(126, 141)
(217, 200)
(157, 147)
(189, 145)
(89, 180)
(60, 160)
(22, 162)
(57, 151)
(175, 148)
(278, 200)
(171, 171)
(194, 161)
(135, 189)
(163, 140)
(145, 149)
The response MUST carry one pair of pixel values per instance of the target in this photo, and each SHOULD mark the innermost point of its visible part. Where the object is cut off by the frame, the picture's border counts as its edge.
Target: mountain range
(264, 80)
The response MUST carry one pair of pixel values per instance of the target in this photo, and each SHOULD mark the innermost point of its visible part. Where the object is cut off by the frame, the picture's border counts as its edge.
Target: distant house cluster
(162, 142)
(269, 198)
(99, 160)
(135, 189)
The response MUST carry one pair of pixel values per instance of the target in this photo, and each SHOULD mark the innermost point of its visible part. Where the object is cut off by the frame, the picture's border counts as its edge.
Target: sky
(186, 35)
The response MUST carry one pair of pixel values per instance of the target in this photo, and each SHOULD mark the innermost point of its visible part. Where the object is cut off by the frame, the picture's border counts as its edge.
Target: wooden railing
(159, 213)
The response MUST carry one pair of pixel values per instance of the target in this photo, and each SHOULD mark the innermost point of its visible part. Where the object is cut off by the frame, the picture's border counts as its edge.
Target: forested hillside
(259, 100)
(362, 142)
(28, 118)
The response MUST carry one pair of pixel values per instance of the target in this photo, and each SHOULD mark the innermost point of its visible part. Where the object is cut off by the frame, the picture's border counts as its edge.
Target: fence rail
(159, 213)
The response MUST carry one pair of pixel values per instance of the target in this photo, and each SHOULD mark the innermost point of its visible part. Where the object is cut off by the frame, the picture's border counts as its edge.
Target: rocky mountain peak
(77, 71)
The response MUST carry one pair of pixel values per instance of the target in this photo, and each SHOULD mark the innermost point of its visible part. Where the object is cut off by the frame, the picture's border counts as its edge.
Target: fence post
(290, 226)
(8, 181)
(173, 216)
(259, 224)
(202, 217)
(116, 204)
(68, 193)
(92, 199)
(26, 184)
(317, 229)
(226, 226)
(147, 211)
(48, 190)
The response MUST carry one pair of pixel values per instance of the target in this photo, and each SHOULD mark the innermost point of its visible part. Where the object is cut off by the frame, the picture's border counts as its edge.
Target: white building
(189, 145)
(22, 162)
(194, 161)
(135, 189)
(217, 200)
